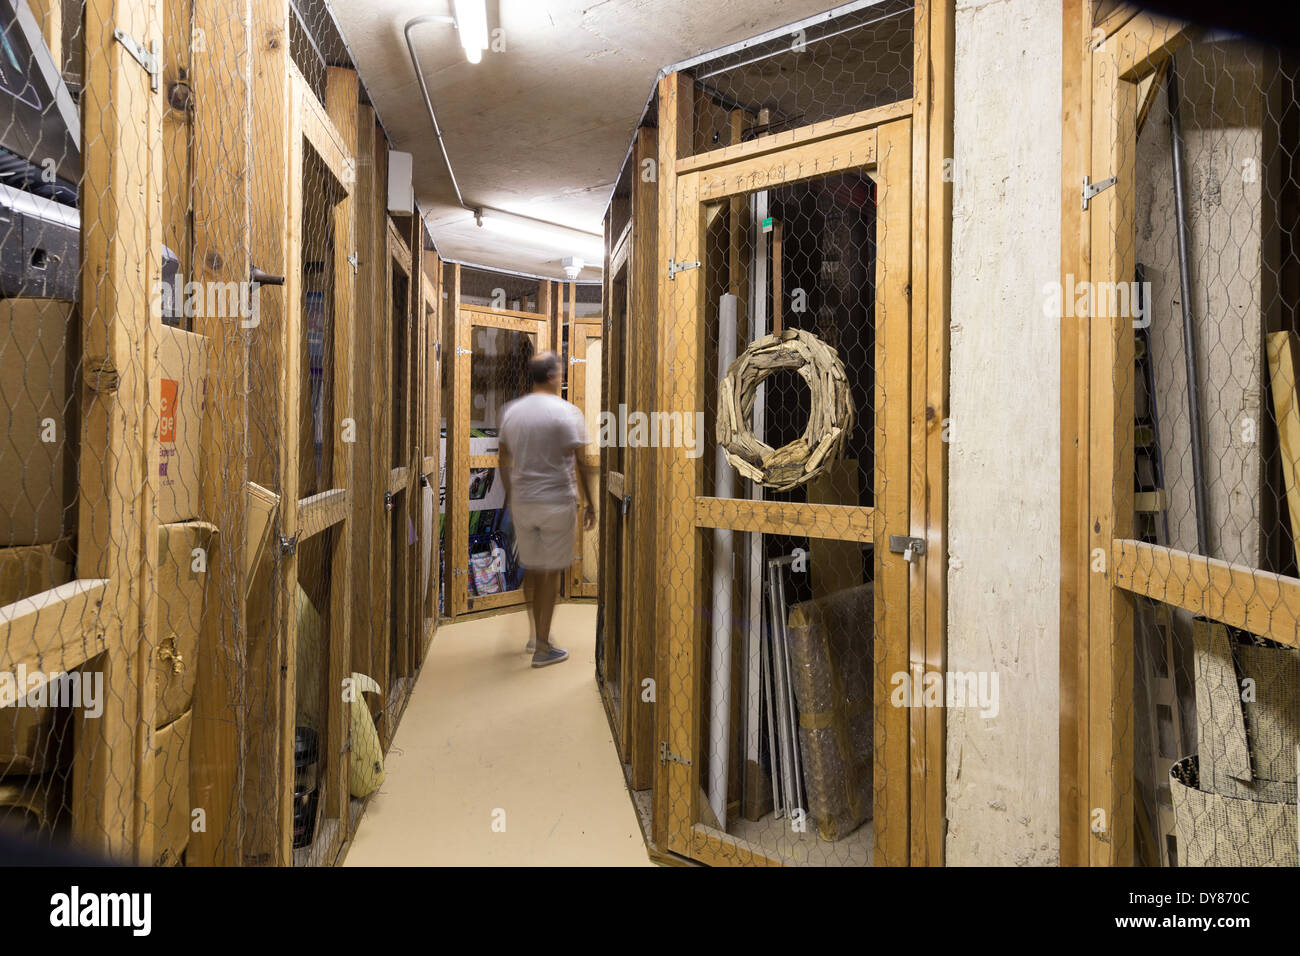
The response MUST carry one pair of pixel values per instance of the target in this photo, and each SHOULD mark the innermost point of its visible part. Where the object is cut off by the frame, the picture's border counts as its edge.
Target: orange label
(167, 414)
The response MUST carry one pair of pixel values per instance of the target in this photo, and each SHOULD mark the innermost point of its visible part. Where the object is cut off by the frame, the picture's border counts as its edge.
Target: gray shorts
(545, 532)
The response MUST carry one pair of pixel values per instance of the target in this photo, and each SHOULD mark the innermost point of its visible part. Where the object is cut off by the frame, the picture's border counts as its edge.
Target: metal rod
(437, 131)
(1189, 329)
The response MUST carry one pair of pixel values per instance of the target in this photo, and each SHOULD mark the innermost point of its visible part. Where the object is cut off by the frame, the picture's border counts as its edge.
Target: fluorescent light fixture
(563, 240)
(471, 22)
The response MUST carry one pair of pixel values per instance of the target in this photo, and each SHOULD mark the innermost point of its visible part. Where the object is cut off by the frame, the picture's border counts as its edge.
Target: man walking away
(541, 439)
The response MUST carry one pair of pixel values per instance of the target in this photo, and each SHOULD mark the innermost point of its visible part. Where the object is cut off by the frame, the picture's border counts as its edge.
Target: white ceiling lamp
(581, 245)
(471, 22)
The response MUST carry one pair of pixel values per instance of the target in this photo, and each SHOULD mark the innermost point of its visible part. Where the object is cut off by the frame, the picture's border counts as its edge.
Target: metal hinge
(676, 267)
(909, 548)
(627, 503)
(1090, 190)
(575, 361)
(354, 262)
(461, 351)
(150, 59)
(666, 755)
(288, 545)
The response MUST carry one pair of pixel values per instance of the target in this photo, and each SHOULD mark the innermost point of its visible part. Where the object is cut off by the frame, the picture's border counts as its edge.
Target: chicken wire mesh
(113, 369)
(1205, 653)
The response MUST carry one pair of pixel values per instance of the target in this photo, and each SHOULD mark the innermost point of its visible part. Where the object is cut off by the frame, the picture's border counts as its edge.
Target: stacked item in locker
(830, 652)
(1235, 801)
(780, 717)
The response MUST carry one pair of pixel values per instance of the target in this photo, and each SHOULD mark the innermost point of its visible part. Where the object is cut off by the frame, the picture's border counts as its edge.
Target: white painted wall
(1004, 487)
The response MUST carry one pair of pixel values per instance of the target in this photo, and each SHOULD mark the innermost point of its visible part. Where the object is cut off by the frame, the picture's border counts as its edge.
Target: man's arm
(586, 489)
(503, 469)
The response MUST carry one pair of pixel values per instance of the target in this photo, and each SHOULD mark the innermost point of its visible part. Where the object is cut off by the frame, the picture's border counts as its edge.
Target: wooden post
(342, 89)
(457, 464)
(675, 537)
(221, 201)
(121, 228)
(641, 571)
(266, 831)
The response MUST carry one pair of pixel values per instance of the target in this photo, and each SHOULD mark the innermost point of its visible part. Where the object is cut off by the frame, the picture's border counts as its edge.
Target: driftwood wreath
(830, 418)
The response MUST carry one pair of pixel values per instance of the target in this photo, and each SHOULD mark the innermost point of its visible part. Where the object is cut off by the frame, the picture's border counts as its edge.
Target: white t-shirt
(542, 432)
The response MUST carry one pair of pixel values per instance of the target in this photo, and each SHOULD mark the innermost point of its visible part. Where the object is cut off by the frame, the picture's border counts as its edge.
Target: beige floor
(484, 733)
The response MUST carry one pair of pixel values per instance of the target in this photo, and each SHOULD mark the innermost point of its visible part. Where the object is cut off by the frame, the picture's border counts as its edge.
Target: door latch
(626, 504)
(288, 545)
(388, 501)
(909, 548)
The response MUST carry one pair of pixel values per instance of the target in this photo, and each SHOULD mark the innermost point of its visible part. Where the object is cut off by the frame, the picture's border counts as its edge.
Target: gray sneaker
(554, 656)
(532, 644)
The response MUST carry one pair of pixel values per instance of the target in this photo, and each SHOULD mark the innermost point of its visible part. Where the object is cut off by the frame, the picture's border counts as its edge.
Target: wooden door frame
(878, 143)
(589, 327)
(458, 600)
(312, 128)
(1101, 72)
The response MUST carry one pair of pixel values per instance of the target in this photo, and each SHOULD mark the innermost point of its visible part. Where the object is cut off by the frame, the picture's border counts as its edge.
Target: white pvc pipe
(758, 291)
(724, 481)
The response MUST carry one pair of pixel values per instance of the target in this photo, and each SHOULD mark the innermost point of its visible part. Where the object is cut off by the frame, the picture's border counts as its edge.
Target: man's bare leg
(544, 607)
(528, 605)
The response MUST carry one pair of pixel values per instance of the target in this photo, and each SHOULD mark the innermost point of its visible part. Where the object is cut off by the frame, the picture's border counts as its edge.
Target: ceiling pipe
(442, 146)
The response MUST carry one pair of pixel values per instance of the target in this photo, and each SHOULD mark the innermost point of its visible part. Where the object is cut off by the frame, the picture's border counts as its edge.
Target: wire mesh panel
(797, 618)
(1191, 304)
(176, 302)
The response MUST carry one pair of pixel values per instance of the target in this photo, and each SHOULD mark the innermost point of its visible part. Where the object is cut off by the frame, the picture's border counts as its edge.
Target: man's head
(544, 372)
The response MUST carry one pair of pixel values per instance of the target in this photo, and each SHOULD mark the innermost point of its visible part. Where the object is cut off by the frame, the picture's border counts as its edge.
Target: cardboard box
(182, 593)
(170, 807)
(182, 374)
(38, 433)
(32, 739)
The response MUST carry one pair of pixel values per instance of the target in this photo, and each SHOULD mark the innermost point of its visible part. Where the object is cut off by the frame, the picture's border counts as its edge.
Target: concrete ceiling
(542, 128)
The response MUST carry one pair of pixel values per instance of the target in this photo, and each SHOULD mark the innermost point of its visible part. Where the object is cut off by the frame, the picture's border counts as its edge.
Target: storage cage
(214, 339)
(778, 380)
(1179, 300)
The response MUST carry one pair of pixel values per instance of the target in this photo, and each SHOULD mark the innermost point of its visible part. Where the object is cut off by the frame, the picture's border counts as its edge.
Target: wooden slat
(1076, 162)
(642, 567)
(1110, 447)
(484, 461)
(121, 231)
(615, 484)
(938, 232)
(676, 784)
(893, 349)
(821, 158)
(711, 846)
(622, 248)
(1142, 45)
(477, 317)
(458, 460)
(222, 230)
(369, 469)
(398, 479)
(397, 247)
(802, 136)
(922, 88)
(833, 522)
(1260, 602)
(1283, 366)
(56, 630)
(290, 468)
(482, 310)
(267, 833)
(490, 601)
(319, 129)
(319, 512)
